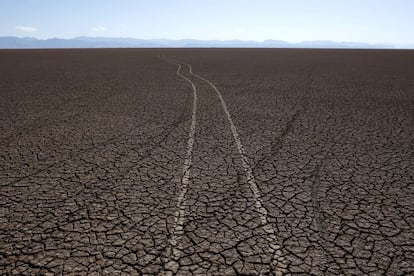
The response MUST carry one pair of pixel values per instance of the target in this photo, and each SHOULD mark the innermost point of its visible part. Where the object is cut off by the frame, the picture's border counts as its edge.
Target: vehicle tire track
(300, 107)
(172, 255)
(158, 140)
(319, 220)
(278, 264)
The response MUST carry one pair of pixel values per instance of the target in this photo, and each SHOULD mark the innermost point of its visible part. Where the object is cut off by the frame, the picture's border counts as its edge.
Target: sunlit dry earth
(292, 162)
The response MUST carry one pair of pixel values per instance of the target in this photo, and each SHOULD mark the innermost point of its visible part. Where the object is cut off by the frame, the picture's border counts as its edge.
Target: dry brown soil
(92, 146)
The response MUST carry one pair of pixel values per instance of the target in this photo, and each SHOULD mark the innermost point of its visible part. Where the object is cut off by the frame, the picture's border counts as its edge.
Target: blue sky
(372, 21)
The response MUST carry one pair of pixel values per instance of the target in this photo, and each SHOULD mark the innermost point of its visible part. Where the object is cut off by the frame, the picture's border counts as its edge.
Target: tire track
(278, 263)
(172, 255)
(300, 108)
(326, 257)
(159, 138)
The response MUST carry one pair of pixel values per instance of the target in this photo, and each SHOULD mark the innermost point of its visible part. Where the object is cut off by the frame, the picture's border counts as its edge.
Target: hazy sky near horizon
(371, 21)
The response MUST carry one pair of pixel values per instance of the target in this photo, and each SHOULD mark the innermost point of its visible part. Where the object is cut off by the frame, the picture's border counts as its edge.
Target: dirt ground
(300, 162)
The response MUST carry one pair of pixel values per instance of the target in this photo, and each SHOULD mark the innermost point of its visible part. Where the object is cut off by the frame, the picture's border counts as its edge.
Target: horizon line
(215, 39)
(114, 42)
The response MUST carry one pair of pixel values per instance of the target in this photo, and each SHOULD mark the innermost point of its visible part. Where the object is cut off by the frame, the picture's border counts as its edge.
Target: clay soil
(92, 146)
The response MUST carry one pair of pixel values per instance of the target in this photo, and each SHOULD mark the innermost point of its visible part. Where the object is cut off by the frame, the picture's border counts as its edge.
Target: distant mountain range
(11, 42)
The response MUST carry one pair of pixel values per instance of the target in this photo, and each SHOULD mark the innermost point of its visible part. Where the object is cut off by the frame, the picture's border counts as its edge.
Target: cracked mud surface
(93, 144)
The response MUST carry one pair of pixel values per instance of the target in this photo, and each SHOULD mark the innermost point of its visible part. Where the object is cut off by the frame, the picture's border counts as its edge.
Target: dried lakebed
(207, 162)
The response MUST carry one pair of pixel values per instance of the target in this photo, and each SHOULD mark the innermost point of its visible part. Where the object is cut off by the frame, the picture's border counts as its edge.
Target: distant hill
(114, 42)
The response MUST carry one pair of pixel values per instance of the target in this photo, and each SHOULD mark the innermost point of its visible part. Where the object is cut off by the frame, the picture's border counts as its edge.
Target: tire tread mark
(278, 265)
(171, 255)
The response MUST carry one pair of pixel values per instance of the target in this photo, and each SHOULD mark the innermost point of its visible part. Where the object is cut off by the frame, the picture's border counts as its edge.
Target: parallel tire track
(172, 254)
(278, 262)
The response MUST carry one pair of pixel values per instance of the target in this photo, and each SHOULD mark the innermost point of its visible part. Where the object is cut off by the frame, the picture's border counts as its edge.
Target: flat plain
(206, 162)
